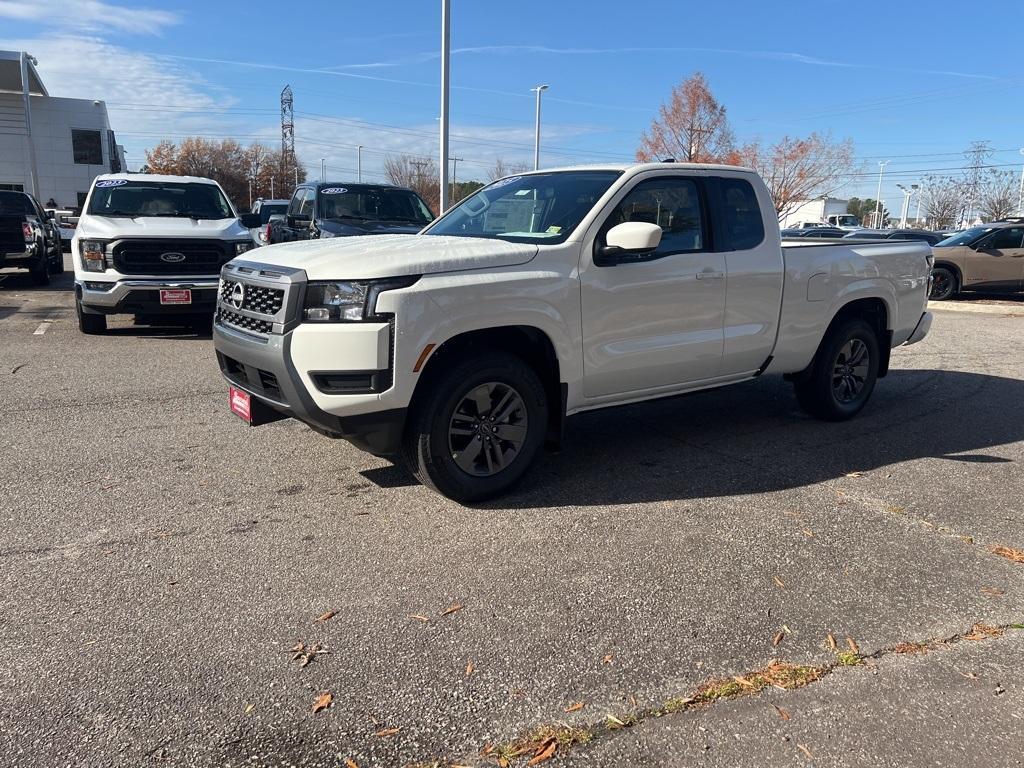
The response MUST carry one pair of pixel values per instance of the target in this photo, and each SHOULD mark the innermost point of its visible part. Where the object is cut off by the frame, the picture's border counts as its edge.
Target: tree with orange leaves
(691, 127)
(798, 170)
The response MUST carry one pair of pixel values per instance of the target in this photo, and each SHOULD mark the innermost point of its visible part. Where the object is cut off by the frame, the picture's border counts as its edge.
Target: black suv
(341, 209)
(29, 237)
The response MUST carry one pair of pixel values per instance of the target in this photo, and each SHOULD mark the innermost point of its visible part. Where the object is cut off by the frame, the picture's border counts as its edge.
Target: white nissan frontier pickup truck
(465, 347)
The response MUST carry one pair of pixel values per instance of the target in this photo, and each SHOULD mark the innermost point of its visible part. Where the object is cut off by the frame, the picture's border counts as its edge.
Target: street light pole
(446, 22)
(323, 169)
(536, 130)
(359, 163)
(878, 195)
(1020, 192)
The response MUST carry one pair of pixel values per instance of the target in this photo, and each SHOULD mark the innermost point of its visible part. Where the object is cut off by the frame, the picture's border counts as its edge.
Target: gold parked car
(989, 257)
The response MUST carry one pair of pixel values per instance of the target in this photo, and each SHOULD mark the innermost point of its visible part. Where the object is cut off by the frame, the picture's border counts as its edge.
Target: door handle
(710, 274)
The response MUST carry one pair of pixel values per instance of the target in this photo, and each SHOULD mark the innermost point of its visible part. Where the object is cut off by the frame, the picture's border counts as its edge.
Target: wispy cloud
(89, 16)
(511, 50)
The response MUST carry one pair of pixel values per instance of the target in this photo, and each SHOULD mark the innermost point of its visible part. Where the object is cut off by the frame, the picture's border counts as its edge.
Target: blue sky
(915, 85)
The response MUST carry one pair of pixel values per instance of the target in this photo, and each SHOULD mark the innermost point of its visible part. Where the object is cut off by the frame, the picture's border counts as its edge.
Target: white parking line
(43, 328)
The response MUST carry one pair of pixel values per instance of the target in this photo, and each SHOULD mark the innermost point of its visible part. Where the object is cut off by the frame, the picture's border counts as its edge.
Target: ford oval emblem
(237, 297)
(172, 257)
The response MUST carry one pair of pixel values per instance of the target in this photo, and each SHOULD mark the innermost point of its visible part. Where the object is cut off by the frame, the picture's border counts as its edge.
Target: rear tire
(40, 271)
(90, 324)
(944, 284)
(477, 428)
(843, 374)
(56, 263)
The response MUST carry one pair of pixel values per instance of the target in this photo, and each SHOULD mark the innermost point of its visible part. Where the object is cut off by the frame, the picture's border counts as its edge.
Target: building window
(87, 147)
(12, 187)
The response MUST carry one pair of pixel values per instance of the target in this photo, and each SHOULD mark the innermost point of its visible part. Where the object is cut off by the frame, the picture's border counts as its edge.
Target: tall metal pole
(446, 21)
(33, 170)
(1020, 192)
(455, 191)
(536, 128)
(323, 169)
(878, 196)
(359, 163)
(271, 187)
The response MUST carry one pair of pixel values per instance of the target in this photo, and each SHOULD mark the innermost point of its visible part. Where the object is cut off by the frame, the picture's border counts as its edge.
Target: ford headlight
(93, 255)
(347, 301)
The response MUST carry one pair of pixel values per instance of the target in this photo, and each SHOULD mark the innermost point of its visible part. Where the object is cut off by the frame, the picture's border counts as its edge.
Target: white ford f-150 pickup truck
(465, 347)
(153, 245)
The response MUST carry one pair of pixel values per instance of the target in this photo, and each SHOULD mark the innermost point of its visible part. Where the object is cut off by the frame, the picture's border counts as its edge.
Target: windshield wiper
(401, 220)
(117, 213)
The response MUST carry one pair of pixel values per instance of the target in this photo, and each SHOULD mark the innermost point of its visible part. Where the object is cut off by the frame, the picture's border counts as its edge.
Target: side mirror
(632, 238)
(294, 219)
(250, 220)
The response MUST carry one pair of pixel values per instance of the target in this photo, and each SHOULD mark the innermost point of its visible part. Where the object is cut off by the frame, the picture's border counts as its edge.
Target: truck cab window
(674, 205)
(1004, 239)
(741, 216)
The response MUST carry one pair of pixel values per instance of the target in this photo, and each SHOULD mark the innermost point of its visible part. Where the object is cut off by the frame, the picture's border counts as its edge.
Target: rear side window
(1005, 238)
(743, 227)
(296, 201)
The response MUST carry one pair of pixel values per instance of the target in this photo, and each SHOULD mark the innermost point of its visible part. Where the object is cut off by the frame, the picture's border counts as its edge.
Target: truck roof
(156, 177)
(638, 167)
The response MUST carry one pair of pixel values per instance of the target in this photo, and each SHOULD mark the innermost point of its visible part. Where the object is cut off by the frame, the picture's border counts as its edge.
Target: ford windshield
(127, 197)
(540, 208)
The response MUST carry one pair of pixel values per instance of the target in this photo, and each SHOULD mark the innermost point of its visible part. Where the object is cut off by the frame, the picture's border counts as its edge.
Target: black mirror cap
(250, 220)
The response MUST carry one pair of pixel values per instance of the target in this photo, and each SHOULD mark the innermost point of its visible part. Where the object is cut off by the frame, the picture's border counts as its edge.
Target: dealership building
(50, 146)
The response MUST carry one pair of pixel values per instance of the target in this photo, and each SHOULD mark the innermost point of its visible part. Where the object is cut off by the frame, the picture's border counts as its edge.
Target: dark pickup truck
(29, 237)
(341, 209)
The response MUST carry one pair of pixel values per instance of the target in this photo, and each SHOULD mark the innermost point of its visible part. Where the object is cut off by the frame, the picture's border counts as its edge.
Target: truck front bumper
(262, 366)
(142, 297)
(923, 326)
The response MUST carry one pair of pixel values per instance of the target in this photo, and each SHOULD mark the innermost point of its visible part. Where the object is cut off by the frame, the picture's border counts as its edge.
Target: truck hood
(113, 227)
(367, 257)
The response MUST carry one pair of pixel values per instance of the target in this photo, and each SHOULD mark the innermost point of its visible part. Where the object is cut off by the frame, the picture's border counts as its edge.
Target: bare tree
(416, 173)
(692, 126)
(942, 199)
(797, 170)
(502, 168)
(997, 198)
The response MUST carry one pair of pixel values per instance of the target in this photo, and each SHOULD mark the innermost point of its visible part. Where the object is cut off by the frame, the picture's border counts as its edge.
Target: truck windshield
(534, 208)
(271, 209)
(373, 204)
(963, 238)
(158, 198)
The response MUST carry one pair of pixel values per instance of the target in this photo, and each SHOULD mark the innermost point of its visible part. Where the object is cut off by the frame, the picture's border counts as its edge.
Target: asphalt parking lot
(160, 559)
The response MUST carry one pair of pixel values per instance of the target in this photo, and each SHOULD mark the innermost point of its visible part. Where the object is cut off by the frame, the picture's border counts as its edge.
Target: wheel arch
(954, 268)
(875, 311)
(528, 342)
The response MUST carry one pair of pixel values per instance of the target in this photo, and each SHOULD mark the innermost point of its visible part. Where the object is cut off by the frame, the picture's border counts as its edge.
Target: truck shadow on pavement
(753, 438)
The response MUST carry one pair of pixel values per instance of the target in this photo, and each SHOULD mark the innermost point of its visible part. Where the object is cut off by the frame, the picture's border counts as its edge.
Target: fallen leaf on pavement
(831, 641)
(350, 763)
(419, 617)
(326, 616)
(486, 749)
(615, 721)
(387, 732)
(983, 632)
(469, 668)
(992, 591)
(250, 708)
(852, 645)
(808, 533)
(778, 582)
(546, 752)
(607, 659)
(453, 609)
(323, 701)
(782, 713)
(778, 638)
(743, 681)
(575, 707)
(298, 647)
(1013, 555)
(803, 748)
(855, 474)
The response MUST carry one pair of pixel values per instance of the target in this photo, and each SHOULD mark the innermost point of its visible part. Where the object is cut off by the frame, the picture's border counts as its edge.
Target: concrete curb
(977, 307)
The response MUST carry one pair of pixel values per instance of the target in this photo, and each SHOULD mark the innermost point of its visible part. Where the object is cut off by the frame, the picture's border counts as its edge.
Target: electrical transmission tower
(287, 127)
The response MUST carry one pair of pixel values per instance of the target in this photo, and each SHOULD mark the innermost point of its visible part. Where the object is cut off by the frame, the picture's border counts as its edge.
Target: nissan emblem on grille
(172, 257)
(237, 297)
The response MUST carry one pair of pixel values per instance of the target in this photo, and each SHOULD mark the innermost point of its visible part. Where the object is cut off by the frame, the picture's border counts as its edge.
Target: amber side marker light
(423, 357)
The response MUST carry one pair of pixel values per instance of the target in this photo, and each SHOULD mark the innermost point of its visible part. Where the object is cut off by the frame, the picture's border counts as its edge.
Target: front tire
(40, 271)
(477, 428)
(843, 373)
(90, 324)
(944, 284)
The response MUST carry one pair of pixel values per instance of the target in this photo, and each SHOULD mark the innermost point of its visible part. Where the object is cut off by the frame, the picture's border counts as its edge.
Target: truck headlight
(242, 247)
(93, 255)
(347, 301)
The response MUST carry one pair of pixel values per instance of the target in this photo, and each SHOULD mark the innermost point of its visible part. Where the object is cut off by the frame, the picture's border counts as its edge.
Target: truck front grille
(170, 257)
(256, 298)
(244, 322)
